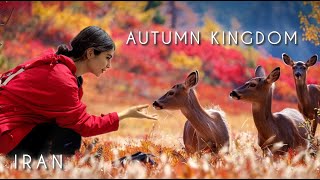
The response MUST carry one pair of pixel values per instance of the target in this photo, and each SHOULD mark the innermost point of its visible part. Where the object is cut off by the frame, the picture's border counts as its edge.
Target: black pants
(45, 139)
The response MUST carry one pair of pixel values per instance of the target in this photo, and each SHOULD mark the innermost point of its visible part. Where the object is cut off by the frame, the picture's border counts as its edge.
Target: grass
(163, 138)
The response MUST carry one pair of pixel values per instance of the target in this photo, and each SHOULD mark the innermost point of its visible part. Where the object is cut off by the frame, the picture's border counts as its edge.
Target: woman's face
(97, 64)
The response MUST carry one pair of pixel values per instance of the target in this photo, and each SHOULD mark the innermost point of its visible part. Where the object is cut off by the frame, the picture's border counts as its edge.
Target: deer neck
(303, 95)
(263, 117)
(194, 112)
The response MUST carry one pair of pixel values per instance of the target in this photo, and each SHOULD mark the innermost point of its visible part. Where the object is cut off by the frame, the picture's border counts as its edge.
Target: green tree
(158, 19)
(152, 4)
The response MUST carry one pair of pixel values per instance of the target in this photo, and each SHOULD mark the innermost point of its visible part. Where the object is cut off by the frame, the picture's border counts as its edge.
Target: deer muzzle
(156, 105)
(298, 75)
(234, 95)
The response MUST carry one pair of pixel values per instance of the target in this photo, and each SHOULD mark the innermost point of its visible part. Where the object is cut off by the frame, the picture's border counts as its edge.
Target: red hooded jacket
(46, 91)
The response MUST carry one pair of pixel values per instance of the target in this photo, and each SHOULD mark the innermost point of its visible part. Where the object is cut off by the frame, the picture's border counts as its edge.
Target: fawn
(204, 128)
(308, 95)
(283, 126)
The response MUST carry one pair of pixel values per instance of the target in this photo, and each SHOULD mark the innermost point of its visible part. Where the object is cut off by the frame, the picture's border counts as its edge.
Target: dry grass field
(163, 139)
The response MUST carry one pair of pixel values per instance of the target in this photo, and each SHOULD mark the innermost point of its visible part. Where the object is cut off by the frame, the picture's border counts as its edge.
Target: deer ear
(259, 72)
(192, 79)
(286, 59)
(274, 75)
(312, 61)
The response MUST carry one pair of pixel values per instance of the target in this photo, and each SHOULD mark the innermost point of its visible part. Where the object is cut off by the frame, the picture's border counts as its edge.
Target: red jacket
(47, 91)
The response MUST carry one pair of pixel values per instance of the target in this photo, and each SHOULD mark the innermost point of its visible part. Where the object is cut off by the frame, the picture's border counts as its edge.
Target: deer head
(177, 96)
(257, 88)
(299, 68)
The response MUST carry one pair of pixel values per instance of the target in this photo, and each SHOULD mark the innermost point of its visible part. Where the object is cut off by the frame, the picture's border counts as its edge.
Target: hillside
(263, 16)
(149, 68)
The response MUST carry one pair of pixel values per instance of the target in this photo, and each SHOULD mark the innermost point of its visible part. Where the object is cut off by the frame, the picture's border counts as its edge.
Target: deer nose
(156, 105)
(234, 94)
(297, 74)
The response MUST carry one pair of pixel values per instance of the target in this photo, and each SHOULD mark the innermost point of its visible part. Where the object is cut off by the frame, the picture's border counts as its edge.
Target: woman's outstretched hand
(136, 112)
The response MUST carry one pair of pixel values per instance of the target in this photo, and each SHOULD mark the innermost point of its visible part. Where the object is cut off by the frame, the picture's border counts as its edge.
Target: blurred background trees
(144, 71)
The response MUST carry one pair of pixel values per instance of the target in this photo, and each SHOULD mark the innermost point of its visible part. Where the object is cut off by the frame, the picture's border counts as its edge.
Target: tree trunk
(61, 5)
(173, 10)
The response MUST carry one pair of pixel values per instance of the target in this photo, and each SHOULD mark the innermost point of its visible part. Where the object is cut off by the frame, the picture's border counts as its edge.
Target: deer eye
(171, 93)
(252, 85)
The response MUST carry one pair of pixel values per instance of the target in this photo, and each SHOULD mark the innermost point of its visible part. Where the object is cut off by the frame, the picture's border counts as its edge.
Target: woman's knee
(65, 141)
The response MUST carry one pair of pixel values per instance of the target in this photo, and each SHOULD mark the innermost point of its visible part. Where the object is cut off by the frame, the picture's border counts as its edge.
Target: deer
(273, 128)
(308, 95)
(204, 129)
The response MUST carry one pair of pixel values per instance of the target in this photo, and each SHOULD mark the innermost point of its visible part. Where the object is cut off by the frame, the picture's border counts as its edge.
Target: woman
(40, 101)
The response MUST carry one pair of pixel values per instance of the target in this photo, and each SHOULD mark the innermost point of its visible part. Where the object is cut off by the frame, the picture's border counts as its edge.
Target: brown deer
(308, 95)
(280, 127)
(204, 128)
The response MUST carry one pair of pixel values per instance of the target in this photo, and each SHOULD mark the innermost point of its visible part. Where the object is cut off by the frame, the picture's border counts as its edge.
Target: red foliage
(23, 48)
(225, 65)
(149, 63)
(285, 84)
(16, 5)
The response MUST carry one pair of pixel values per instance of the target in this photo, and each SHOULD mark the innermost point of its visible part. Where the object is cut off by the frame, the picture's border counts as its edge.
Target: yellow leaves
(209, 26)
(105, 22)
(310, 23)
(118, 43)
(3, 63)
(182, 61)
(68, 18)
(73, 17)
(130, 7)
(146, 16)
(45, 13)
(134, 9)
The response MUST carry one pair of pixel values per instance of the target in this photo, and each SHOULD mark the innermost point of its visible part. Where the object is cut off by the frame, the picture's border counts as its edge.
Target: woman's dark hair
(91, 36)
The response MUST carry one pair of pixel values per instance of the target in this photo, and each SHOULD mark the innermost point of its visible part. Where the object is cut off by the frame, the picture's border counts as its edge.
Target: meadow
(163, 139)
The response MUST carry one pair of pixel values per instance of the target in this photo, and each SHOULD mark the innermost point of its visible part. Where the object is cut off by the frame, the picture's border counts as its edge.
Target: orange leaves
(181, 61)
(242, 162)
(140, 71)
(22, 48)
